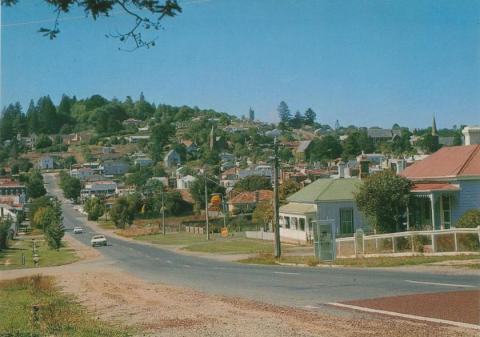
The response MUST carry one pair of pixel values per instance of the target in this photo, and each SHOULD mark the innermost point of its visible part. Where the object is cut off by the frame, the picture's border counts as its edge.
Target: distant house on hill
(247, 201)
(172, 159)
(300, 150)
(379, 134)
(46, 163)
(184, 183)
(447, 184)
(132, 122)
(116, 167)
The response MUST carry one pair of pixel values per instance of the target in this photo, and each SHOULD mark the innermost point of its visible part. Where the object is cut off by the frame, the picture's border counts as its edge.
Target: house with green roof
(324, 199)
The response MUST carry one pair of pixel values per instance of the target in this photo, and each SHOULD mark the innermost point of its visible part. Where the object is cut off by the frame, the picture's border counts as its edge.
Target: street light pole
(276, 222)
(163, 213)
(206, 208)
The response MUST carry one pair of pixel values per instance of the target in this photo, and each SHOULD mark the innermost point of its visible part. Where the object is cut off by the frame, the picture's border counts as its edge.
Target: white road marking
(187, 266)
(219, 268)
(170, 262)
(285, 273)
(311, 307)
(442, 284)
(415, 317)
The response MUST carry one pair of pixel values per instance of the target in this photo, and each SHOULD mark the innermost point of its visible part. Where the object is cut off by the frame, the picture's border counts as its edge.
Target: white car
(77, 230)
(98, 240)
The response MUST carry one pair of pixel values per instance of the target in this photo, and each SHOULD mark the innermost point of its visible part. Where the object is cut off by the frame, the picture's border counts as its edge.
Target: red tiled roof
(424, 187)
(251, 197)
(448, 162)
(9, 183)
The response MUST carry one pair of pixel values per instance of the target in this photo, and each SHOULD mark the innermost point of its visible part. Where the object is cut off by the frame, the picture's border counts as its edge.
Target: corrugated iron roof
(448, 162)
(298, 208)
(427, 187)
(251, 197)
(327, 190)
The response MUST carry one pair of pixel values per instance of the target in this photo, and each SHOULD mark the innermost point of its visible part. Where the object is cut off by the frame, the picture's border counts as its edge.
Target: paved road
(293, 286)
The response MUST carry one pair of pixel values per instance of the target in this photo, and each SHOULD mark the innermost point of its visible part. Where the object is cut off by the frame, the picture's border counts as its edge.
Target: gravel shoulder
(156, 309)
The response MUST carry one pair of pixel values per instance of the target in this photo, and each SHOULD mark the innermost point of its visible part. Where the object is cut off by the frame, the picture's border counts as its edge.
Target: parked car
(98, 240)
(77, 230)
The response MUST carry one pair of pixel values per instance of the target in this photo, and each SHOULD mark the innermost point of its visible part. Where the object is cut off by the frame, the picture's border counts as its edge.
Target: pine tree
(251, 114)
(54, 234)
(310, 116)
(284, 112)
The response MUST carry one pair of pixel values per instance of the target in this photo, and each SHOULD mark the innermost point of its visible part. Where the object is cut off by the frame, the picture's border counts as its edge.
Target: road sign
(224, 232)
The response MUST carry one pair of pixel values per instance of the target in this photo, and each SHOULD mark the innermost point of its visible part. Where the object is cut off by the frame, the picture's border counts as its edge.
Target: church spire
(434, 127)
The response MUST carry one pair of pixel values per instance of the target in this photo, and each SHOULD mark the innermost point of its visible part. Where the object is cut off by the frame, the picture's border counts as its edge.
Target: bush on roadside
(469, 219)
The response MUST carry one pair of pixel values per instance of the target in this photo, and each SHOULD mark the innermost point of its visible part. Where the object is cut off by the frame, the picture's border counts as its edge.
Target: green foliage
(357, 142)
(469, 219)
(54, 234)
(253, 183)
(108, 118)
(197, 190)
(35, 188)
(429, 143)
(43, 141)
(383, 199)
(139, 176)
(324, 149)
(125, 209)
(288, 188)
(5, 225)
(94, 207)
(71, 186)
(44, 202)
(160, 138)
(263, 214)
(310, 117)
(284, 112)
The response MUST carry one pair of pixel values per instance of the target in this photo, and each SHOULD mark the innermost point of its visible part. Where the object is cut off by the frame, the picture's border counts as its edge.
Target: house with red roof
(247, 201)
(447, 184)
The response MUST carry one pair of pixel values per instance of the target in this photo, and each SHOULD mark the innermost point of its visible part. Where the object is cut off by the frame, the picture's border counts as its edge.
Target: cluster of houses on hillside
(446, 185)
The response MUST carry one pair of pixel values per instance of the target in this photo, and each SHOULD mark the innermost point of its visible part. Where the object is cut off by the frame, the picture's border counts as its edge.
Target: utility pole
(163, 212)
(276, 222)
(206, 207)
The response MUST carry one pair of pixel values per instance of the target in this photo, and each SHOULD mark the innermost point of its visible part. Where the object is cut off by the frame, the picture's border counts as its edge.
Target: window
(287, 222)
(302, 224)
(446, 220)
(346, 220)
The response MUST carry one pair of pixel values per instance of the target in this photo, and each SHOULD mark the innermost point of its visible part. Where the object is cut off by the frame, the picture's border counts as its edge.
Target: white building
(184, 183)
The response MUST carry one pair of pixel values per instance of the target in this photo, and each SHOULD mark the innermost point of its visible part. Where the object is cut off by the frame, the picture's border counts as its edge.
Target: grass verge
(57, 314)
(11, 258)
(180, 238)
(232, 246)
(370, 262)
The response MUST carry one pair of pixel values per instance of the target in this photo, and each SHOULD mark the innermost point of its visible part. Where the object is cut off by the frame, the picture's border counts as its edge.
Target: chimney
(364, 167)
(401, 165)
(471, 134)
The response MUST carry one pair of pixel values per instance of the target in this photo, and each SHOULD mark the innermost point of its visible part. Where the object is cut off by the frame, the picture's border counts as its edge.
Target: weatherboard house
(330, 200)
(447, 184)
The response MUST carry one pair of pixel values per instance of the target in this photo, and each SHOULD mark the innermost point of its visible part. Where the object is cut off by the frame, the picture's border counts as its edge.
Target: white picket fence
(452, 240)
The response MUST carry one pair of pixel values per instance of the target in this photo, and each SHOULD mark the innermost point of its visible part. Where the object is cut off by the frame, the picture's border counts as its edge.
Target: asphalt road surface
(292, 286)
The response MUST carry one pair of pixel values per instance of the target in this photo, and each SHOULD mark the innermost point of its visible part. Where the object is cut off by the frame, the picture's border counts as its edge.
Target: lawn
(106, 224)
(359, 262)
(232, 246)
(217, 244)
(12, 257)
(57, 314)
(179, 238)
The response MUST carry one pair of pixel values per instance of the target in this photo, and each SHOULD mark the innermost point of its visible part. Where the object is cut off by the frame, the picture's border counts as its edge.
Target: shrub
(469, 219)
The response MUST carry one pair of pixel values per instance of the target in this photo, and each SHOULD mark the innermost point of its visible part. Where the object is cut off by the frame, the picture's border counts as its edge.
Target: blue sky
(361, 62)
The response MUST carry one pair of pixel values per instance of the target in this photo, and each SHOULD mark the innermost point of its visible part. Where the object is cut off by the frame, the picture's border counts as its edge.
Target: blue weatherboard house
(447, 184)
